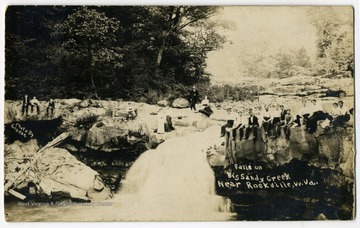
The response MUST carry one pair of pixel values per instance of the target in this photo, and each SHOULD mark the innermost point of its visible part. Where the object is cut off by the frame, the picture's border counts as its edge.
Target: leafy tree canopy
(123, 52)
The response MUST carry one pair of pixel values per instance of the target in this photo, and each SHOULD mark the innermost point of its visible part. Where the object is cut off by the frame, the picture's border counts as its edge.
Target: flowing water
(173, 182)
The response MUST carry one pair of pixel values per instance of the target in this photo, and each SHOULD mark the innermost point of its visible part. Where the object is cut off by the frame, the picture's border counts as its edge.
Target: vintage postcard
(179, 113)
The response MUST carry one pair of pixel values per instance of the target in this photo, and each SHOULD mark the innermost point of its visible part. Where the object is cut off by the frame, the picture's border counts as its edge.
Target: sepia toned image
(179, 113)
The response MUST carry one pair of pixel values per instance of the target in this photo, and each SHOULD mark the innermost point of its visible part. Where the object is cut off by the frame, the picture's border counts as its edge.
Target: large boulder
(336, 148)
(69, 102)
(52, 173)
(333, 149)
(19, 149)
(107, 136)
(163, 103)
(57, 173)
(183, 122)
(84, 103)
(347, 157)
(110, 136)
(180, 103)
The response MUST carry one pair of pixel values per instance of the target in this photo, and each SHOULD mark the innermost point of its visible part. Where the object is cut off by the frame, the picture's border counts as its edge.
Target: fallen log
(16, 194)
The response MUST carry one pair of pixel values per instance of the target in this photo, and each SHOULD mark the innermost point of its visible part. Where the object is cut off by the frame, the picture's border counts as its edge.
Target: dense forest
(146, 53)
(127, 52)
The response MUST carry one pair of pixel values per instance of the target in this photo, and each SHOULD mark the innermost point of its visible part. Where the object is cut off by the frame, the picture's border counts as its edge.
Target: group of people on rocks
(236, 121)
(34, 102)
(203, 107)
(280, 118)
(274, 119)
(310, 115)
(196, 105)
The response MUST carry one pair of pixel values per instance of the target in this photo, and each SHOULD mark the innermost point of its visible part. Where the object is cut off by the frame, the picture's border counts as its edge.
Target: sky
(259, 29)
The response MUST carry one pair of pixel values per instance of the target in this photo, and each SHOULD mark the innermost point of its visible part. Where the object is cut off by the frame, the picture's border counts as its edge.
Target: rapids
(173, 182)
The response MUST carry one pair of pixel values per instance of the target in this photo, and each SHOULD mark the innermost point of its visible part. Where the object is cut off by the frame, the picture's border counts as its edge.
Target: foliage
(302, 58)
(89, 37)
(280, 65)
(220, 93)
(153, 97)
(335, 44)
(335, 41)
(126, 52)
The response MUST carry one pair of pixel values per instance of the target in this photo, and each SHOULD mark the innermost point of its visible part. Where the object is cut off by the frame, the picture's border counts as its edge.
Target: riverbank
(109, 146)
(103, 142)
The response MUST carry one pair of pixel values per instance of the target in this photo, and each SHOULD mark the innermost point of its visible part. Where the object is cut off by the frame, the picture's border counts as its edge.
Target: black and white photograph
(179, 113)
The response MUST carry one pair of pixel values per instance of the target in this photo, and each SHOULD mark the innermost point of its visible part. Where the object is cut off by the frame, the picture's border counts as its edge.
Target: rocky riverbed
(101, 144)
(91, 163)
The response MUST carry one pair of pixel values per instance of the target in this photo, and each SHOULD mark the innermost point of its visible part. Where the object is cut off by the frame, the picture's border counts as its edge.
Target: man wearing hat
(193, 98)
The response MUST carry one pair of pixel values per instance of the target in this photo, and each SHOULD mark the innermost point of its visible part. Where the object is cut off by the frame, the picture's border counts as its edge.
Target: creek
(173, 182)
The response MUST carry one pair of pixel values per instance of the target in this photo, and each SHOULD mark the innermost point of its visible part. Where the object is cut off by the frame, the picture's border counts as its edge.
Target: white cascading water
(173, 182)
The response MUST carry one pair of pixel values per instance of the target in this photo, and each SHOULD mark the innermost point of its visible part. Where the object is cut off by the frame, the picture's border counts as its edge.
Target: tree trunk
(162, 48)
(93, 84)
(91, 73)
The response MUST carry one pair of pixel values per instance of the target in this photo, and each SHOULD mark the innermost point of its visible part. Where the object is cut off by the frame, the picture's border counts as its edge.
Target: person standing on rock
(161, 121)
(25, 105)
(193, 98)
(50, 108)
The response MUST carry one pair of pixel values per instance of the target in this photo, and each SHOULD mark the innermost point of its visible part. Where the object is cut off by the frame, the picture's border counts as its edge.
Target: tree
(165, 46)
(258, 65)
(26, 39)
(172, 19)
(85, 51)
(89, 36)
(335, 46)
(302, 59)
(284, 65)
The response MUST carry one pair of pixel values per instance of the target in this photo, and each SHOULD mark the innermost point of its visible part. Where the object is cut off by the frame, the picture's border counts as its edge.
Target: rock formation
(180, 103)
(333, 149)
(52, 174)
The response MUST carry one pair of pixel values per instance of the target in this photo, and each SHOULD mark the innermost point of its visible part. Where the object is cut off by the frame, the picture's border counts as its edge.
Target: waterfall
(173, 182)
